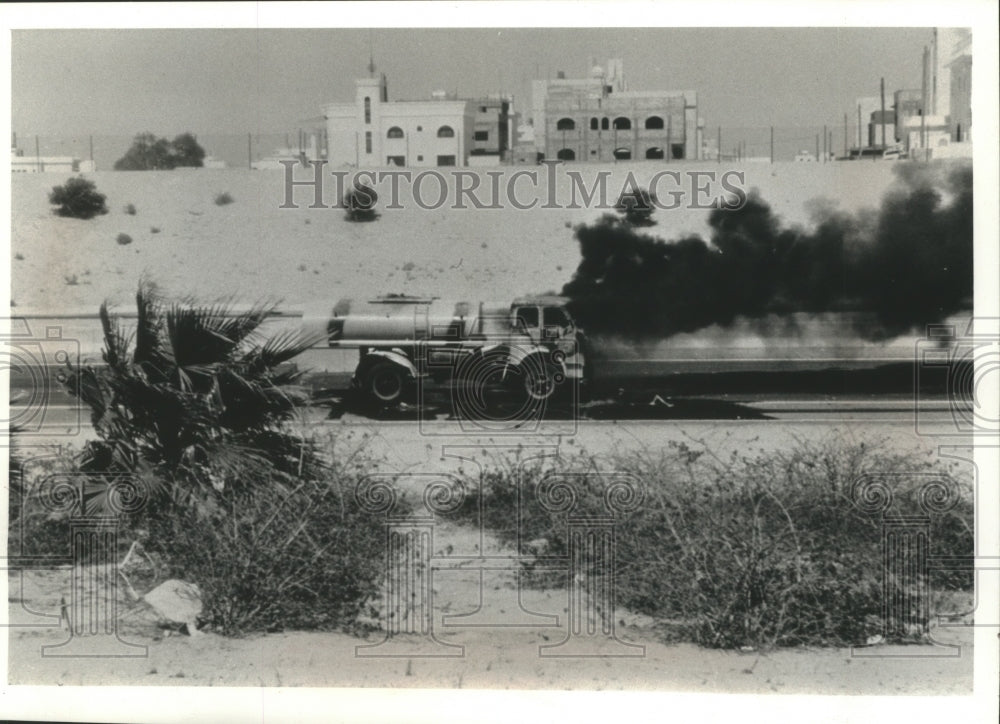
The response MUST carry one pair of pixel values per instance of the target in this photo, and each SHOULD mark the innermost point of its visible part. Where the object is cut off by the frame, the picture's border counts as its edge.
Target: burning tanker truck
(531, 351)
(527, 349)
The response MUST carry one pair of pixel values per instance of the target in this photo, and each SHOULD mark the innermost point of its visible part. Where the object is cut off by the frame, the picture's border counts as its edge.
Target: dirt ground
(252, 248)
(486, 657)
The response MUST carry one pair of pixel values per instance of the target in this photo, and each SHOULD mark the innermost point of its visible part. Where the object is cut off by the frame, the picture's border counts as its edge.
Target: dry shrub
(78, 198)
(277, 558)
(758, 550)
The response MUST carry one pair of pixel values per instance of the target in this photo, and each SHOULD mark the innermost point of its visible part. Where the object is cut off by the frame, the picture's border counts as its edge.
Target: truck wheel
(386, 383)
(538, 378)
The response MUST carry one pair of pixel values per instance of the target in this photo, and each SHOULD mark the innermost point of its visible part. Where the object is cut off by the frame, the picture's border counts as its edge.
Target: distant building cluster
(596, 119)
(934, 120)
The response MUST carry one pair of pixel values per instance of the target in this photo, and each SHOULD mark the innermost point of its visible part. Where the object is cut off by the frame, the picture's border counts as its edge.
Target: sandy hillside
(252, 249)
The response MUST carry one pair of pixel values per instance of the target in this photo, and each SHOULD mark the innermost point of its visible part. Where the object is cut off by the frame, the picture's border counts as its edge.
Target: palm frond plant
(194, 401)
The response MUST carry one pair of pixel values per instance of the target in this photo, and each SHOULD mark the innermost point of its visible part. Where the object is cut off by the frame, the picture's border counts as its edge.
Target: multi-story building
(598, 119)
(374, 131)
(493, 130)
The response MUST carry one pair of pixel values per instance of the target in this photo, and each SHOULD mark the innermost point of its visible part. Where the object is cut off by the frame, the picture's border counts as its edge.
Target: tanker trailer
(528, 347)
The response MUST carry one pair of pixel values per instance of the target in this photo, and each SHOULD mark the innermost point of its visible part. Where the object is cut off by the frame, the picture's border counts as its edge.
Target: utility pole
(845, 135)
(882, 119)
(817, 147)
(669, 148)
(860, 143)
(91, 148)
(249, 150)
(825, 149)
(923, 106)
(719, 145)
(772, 144)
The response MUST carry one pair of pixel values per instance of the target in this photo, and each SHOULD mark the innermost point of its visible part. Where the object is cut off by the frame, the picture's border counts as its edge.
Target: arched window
(623, 154)
(565, 124)
(593, 123)
(446, 132)
(622, 123)
(654, 153)
(368, 109)
(394, 132)
(566, 154)
(654, 123)
(604, 123)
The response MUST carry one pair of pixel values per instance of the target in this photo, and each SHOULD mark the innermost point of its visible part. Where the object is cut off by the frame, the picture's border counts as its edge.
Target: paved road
(415, 442)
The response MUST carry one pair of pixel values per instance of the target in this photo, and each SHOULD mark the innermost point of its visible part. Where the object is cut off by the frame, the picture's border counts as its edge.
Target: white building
(43, 164)
(374, 131)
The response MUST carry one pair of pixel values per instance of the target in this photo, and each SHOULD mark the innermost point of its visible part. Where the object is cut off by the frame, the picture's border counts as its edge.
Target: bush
(124, 239)
(78, 198)
(130, 209)
(360, 202)
(759, 551)
(637, 207)
(277, 557)
(223, 199)
(149, 153)
(198, 406)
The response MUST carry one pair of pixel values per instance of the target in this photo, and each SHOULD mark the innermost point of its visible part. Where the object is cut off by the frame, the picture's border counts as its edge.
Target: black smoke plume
(903, 266)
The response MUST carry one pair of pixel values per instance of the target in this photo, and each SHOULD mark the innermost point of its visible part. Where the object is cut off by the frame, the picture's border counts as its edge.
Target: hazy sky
(239, 81)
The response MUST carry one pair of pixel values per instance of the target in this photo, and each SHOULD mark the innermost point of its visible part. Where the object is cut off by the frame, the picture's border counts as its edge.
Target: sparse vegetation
(360, 203)
(130, 209)
(752, 551)
(124, 239)
(636, 207)
(149, 153)
(197, 407)
(223, 199)
(19, 256)
(78, 198)
(71, 280)
(154, 230)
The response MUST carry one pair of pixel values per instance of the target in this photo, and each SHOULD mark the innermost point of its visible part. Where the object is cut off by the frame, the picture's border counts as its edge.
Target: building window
(420, 158)
(623, 154)
(482, 136)
(565, 124)
(654, 153)
(654, 123)
(395, 160)
(676, 150)
(368, 141)
(622, 124)
(482, 109)
(566, 154)
(446, 161)
(593, 152)
(594, 123)
(604, 123)
(368, 110)
(394, 132)
(446, 132)
(420, 128)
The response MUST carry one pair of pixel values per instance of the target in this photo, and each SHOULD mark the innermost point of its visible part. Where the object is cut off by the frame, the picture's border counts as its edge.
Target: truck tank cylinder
(394, 319)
